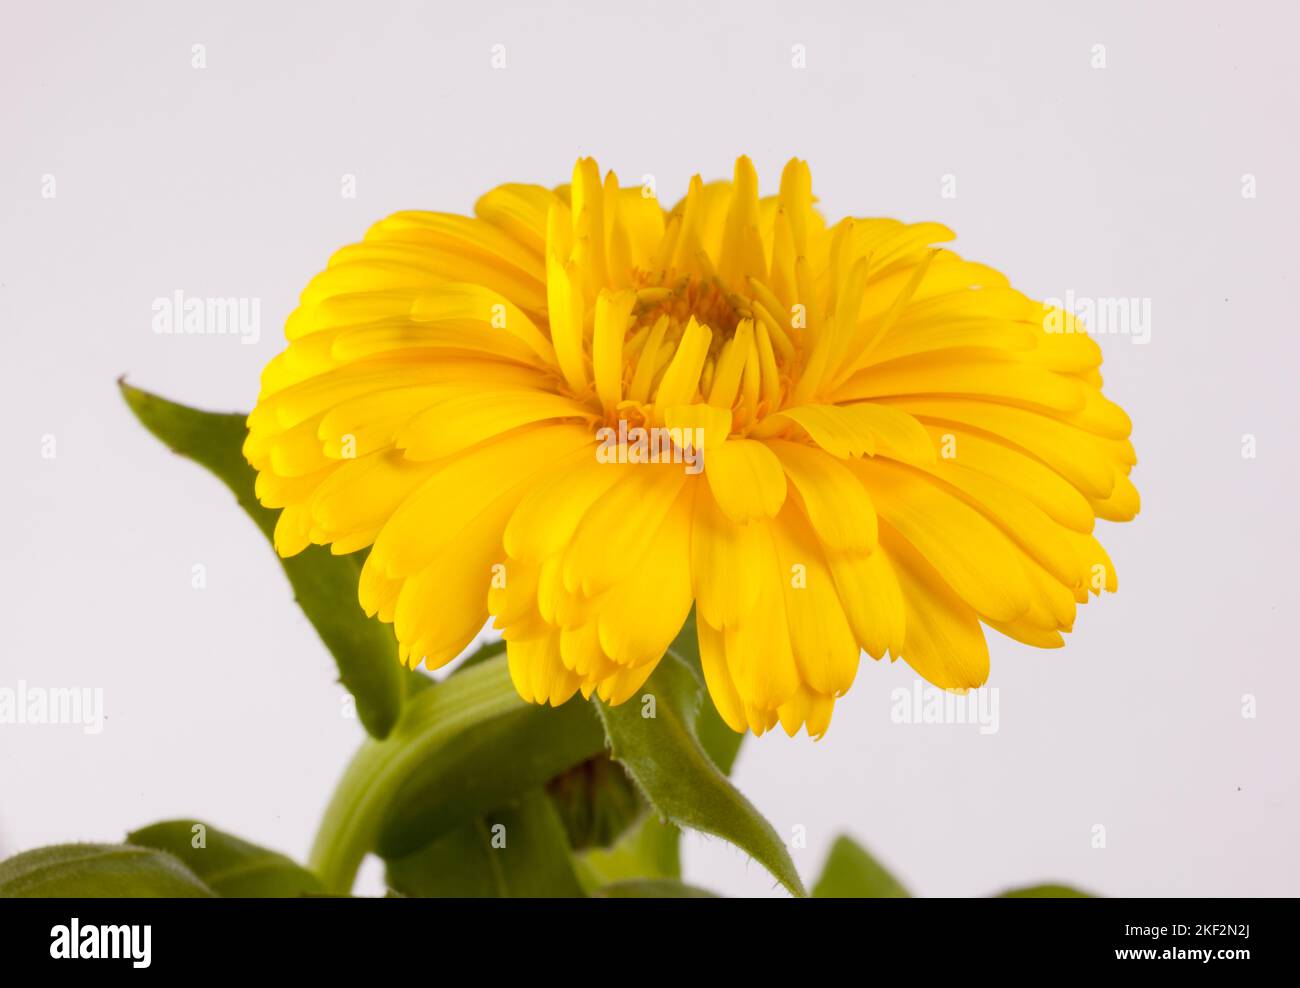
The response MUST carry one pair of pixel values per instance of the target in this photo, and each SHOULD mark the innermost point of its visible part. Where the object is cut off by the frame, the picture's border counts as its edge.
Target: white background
(225, 181)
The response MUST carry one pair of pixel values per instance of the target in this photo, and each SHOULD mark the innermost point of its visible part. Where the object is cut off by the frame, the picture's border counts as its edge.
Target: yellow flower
(895, 444)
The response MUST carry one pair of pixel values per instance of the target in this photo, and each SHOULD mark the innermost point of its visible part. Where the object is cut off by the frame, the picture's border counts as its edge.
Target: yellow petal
(833, 498)
(873, 603)
(613, 310)
(746, 479)
(1069, 451)
(618, 528)
(982, 565)
(431, 519)
(825, 649)
(549, 513)
(759, 653)
(455, 424)
(726, 564)
(944, 642)
(566, 307)
(717, 677)
(640, 617)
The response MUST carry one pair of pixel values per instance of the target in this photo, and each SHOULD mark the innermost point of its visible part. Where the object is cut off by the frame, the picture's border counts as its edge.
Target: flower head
(583, 415)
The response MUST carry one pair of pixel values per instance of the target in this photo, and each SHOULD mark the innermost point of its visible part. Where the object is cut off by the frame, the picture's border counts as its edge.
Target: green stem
(377, 774)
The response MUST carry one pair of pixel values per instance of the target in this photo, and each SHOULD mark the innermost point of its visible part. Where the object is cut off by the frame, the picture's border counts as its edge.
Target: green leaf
(231, 867)
(851, 873)
(649, 849)
(324, 585)
(645, 847)
(463, 747)
(98, 871)
(1045, 892)
(664, 756)
(719, 740)
(516, 852)
(662, 888)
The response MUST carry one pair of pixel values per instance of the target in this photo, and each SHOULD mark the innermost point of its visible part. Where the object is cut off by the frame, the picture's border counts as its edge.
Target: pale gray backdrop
(1129, 180)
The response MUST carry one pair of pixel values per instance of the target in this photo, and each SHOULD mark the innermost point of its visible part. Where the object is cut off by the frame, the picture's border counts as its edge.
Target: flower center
(707, 301)
(694, 340)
